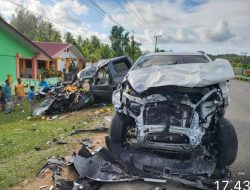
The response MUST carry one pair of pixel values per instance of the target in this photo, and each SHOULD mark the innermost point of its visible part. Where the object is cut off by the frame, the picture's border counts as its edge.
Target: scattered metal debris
(53, 164)
(87, 142)
(52, 118)
(95, 130)
(42, 187)
(108, 118)
(79, 184)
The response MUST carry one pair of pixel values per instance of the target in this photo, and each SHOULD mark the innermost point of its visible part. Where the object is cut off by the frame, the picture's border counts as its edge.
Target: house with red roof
(63, 55)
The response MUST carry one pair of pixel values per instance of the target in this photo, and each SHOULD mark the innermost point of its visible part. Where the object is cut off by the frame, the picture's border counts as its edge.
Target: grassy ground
(19, 137)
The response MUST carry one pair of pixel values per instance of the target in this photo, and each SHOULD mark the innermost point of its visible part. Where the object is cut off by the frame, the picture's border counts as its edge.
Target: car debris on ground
(94, 130)
(87, 142)
(97, 167)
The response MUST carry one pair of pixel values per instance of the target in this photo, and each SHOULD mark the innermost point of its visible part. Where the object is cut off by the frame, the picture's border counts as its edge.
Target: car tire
(118, 129)
(228, 143)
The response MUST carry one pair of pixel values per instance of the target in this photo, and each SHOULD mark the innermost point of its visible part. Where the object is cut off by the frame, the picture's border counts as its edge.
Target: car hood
(43, 107)
(186, 75)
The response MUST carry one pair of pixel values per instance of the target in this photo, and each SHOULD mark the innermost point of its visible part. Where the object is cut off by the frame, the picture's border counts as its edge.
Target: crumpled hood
(185, 75)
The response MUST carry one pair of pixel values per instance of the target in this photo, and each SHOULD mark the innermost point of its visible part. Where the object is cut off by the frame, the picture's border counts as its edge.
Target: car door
(102, 87)
(119, 69)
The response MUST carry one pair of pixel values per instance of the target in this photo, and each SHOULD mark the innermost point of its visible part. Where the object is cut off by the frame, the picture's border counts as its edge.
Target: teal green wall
(9, 47)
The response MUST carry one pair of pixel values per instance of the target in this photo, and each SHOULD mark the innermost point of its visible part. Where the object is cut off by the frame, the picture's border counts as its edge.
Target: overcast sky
(214, 26)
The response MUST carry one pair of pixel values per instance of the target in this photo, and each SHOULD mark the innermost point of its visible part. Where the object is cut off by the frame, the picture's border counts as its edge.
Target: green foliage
(34, 27)
(69, 38)
(26, 23)
(119, 40)
(46, 32)
(234, 59)
(133, 49)
(92, 48)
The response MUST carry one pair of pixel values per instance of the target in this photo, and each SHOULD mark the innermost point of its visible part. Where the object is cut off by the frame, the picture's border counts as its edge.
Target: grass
(19, 137)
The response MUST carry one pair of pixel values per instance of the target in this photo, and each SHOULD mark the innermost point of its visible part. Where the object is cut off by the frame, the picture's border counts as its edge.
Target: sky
(213, 26)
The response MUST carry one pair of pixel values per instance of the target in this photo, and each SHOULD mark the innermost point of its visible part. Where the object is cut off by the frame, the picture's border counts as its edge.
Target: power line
(139, 15)
(105, 13)
(44, 17)
(51, 21)
(120, 4)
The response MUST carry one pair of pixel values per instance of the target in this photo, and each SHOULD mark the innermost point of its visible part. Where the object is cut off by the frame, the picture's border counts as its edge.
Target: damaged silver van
(172, 105)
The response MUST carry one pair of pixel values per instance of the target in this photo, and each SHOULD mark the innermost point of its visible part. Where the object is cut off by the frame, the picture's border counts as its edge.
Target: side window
(122, 65)
(103, 77)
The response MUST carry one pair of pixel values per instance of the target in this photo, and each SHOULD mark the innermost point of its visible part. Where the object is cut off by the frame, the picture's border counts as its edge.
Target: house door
(25, 68)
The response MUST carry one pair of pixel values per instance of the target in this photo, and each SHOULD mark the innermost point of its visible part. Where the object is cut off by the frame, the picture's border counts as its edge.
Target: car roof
(174, 53)
(106, 61)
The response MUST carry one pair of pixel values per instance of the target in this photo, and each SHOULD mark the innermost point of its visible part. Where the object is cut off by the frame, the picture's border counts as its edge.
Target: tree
(119, 40)
(133, 50)
(25, 22)
(79, 40)
(95, 42)
(46, 32)
(69, 38)
(106, 52)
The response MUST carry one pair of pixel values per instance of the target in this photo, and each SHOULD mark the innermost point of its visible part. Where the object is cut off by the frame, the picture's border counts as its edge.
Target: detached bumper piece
(116, 164)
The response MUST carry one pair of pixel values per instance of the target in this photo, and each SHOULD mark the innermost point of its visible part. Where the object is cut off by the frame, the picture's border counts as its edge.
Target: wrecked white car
(169, 118)
(169, 125)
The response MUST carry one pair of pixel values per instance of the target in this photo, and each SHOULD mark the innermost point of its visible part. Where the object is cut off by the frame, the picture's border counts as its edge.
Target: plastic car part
(116, 164)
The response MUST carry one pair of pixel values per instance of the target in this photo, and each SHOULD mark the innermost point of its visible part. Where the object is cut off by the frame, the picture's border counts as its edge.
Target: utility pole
(133, 45)
(156, 37)
(244, 61)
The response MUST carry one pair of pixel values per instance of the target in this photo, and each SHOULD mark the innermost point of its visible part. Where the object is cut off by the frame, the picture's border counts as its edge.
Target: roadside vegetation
(240, 64)
(25, 145)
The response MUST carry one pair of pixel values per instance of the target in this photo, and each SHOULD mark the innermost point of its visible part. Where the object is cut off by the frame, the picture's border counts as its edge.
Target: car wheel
(228, 143)
(118, 129)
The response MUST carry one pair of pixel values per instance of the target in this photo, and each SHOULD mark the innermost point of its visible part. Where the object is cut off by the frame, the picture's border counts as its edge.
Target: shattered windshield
(161, 60)
(88, 72)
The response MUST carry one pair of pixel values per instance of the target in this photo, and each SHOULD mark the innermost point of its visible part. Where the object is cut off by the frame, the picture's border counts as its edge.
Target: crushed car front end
(177, 118)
